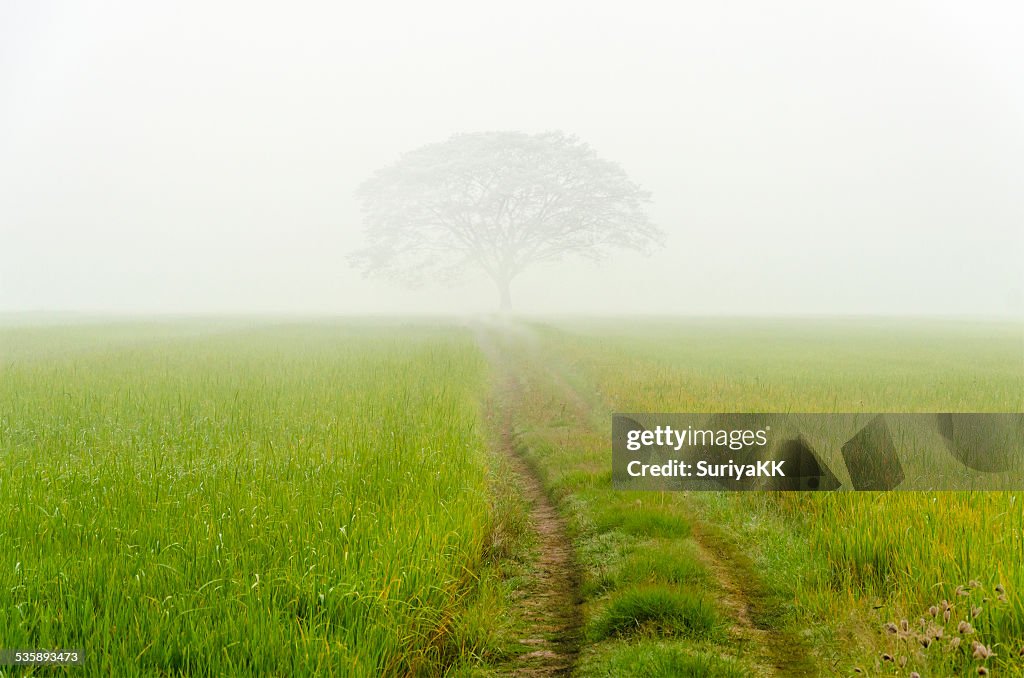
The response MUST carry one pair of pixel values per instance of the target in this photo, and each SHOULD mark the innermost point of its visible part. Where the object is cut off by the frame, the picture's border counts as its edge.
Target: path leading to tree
(551, 597)
(548, 599)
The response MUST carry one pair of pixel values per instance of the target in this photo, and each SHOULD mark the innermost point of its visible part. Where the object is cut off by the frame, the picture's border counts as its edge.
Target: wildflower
(946, 615)
(925, 641)
(982, 671)
(915, 674)
(886, 657)
(905, 625)
(933, 611)
(974, 584)
(1000, 589)
(890, 627)
(975, 611)
(954, 643)
(981, 652)
(965, 629)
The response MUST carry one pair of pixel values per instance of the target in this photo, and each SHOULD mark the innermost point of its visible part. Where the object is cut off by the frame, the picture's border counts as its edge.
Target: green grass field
(323, 498)
(830, 570)
(216, 500)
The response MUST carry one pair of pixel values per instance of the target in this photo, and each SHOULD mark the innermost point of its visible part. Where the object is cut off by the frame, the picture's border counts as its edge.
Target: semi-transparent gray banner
(818, 452)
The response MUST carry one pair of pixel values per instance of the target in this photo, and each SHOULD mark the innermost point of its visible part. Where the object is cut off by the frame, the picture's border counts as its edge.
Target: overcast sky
(804, 157)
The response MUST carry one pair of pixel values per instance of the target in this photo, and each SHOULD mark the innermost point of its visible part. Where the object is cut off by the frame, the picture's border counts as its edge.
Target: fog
(803, 157)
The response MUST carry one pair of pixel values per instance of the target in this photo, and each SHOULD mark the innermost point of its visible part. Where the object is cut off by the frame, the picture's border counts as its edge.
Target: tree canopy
(499, 202)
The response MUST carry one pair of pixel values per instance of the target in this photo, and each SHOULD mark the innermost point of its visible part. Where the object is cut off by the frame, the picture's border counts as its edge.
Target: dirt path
(548, 600)
(769, 651)
(551, 601)
(764, 645)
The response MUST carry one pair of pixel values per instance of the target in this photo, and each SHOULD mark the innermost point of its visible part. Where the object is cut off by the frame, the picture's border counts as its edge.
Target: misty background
(803, 157)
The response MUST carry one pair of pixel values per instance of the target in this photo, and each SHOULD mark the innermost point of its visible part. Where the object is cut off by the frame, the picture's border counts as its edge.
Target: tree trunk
(504, 294)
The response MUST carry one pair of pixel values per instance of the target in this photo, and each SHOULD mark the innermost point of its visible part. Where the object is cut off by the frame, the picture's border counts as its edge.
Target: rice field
(850, 563)
(243, 497)
(226, 498)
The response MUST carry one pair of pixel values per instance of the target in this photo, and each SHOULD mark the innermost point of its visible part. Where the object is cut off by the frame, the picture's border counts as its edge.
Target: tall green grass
(849, 562)
(230, 500)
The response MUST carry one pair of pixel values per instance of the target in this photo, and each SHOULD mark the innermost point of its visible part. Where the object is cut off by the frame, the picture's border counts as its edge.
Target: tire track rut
(549, 599)
(769, 651)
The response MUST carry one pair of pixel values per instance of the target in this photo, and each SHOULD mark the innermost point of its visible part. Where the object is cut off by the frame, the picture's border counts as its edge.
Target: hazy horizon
(804, 159)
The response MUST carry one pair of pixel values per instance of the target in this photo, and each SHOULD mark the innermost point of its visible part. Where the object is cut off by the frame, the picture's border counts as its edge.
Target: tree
(500, 202)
